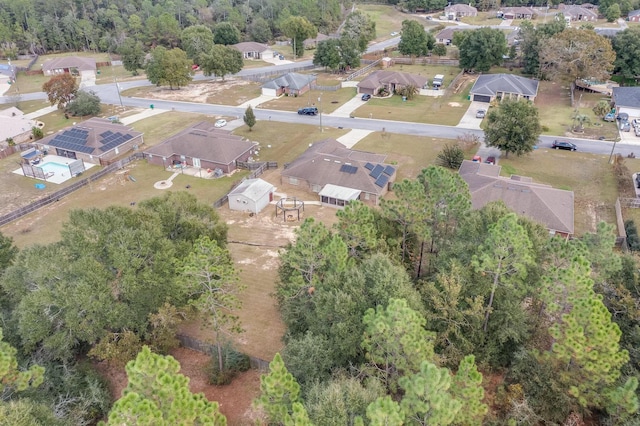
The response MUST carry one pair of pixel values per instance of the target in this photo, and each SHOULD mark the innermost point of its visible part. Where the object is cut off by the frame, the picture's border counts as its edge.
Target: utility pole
(320, 111)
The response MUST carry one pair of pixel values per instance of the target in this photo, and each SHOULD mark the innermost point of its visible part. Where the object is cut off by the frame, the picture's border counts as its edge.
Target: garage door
(482, 98)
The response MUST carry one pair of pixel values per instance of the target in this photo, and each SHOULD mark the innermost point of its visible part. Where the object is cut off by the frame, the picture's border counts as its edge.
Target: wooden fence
(212, 349)
(266, 76)
(363, 70)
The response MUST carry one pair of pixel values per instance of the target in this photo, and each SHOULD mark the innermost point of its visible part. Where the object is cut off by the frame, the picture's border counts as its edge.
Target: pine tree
(467, 388)
(157, 395)
(385, 412)
(249, 118)
(396, 341)
(10, 374)
(280, 394)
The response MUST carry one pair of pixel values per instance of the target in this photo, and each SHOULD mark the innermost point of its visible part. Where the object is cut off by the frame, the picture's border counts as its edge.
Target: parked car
(477, 159)
(625, 126)
(481, 113)
(220, 123)
(557, 144)
(638, 180)
(366, 97)
(490, 160)
(610, 117)
(393, 34)
(623, 117)
(308, 111)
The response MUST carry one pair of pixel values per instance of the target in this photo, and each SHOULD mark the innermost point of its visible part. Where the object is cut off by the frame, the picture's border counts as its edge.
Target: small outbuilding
(251, 195)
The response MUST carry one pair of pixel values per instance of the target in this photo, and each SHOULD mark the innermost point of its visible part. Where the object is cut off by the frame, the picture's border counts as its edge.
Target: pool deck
(56, 178)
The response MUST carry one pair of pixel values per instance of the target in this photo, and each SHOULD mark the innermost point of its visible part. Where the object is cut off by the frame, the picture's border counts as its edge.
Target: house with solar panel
(96, 141)
(340, 175)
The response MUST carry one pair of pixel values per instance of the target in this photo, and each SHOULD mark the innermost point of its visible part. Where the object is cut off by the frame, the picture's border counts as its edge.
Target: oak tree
(61, 89)
(513, 127)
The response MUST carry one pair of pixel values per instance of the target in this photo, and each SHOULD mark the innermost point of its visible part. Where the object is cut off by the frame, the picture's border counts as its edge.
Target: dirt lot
(232, 91)
(234, 399)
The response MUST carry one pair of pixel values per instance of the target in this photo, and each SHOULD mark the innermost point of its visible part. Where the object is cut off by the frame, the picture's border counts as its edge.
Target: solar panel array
(111, 140)
(389, 171)
(72, 140)
(369, 166)
(382, 180)
(348, 169)
(377, 171)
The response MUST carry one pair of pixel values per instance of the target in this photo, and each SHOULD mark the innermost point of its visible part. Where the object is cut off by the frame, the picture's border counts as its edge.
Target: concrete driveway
(87, 79)
(349, 106)
(469, 120)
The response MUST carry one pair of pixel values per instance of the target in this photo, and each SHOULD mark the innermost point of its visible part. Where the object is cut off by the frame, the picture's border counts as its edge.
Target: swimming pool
(56, 168)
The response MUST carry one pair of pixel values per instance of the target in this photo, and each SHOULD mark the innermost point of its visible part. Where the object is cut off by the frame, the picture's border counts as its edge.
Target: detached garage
(627, 100)
(252, 195)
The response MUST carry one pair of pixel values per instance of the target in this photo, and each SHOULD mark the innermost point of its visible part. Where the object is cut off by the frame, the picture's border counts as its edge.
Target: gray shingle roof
(250, 46)
(291, 80)
(447, 33)
(205, 142)
(490, 84)
(320, 164)
(634, 13)
(379, 78)
(79, 62)
(460, 8)
(554, 208)
(626, 96)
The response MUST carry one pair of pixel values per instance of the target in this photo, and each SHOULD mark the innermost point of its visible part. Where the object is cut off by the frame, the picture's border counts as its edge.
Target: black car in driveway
(366, 97)
(557, 144)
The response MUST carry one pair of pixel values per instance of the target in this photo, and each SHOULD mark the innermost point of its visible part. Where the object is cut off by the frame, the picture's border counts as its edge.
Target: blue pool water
(56, 168)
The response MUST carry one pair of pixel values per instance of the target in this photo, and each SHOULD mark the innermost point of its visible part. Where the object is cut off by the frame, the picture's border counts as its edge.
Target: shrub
(633, 241)
(234, 362)
(450, 157)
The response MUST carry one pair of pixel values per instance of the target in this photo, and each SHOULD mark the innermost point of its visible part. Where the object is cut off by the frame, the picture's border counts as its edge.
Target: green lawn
(331, 100)
(108, 75)
(410, 153)
(255, 63)
(29, 83)
(445, 110)
(483, 18)
(388, 19)
(556, 113)
(286, 140)
(32, 106)
(157, 129)
(589, 176)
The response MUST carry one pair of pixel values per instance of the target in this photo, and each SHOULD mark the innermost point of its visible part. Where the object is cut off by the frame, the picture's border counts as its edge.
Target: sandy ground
(198, 92)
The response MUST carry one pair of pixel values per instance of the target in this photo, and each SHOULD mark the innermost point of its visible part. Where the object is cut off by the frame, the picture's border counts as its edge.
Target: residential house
(578, 13)
(253, 50)
(69, 64)
(340, 175)
(252, 195)
(292, 84)
(627, 100)
(202, 146)
(445, 36)
(517, 13)
(391, 81)
(551, 207)
(634, 16)
(459, 11)
(15, 126)
(96, 141)
(503, 86)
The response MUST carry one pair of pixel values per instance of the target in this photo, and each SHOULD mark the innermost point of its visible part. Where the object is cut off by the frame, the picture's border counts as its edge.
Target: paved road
(108, 93)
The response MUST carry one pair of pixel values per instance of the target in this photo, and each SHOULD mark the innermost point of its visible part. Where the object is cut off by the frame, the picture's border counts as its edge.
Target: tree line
(29, 26)
(392, 313)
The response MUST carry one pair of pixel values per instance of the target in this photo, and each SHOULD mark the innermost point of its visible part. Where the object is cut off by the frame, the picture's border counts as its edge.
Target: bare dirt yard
(235, 399)
(232, 91)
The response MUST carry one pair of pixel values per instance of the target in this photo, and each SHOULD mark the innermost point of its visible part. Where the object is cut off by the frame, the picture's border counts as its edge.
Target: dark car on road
(490, 160)
(366, 97)
(557, 144)
(308, 111)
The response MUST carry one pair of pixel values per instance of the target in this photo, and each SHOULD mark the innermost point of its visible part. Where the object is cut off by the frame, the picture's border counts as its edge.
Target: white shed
(252, 195)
